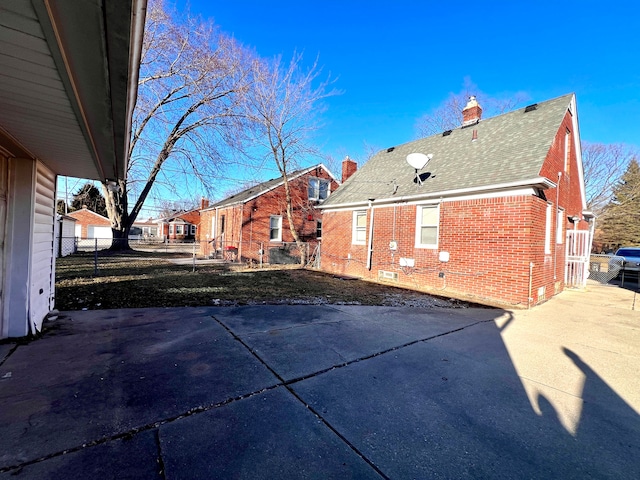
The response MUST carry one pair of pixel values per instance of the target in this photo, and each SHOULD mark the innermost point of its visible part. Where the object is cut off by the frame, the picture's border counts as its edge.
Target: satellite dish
(418, 160)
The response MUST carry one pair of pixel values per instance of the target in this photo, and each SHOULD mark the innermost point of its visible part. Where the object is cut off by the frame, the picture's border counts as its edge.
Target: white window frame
(547, 230)
(355, 228)
(171, 229)
(315, 195)
(179, 230)
(193, 229)
(278, 218)
(420, 226)
(560, 225)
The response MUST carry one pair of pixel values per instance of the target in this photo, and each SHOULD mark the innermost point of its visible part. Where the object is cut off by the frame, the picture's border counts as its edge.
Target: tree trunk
(292, 227)
(117, 209)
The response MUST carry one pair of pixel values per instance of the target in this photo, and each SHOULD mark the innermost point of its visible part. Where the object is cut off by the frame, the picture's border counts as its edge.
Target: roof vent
(446, 133)
(390, 149)
(531, 108)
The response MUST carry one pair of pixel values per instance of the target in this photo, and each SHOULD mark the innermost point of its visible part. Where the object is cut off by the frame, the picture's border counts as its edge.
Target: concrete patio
(328, 392)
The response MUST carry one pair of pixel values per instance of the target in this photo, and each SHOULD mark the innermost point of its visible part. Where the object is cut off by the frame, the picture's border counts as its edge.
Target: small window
(427, 222)
(319, 229)
(170, 229)
(559, 226)
(179, 230)
(275, 228)
(193, 229)
(547, 230)
(318, 188)
(359, 232)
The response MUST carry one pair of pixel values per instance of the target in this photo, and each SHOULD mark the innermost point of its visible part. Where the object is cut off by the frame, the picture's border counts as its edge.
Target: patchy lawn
(139, 279)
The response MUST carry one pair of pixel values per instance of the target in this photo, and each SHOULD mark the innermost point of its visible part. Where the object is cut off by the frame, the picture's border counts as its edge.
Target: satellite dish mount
(418, 161)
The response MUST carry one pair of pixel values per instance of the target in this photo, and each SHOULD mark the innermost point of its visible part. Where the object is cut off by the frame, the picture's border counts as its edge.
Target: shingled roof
(261, 188)
(510, 150)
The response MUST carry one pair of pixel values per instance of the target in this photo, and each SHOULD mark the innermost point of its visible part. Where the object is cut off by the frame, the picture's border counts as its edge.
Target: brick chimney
(204, 203)
(472, 113)
(349, 167)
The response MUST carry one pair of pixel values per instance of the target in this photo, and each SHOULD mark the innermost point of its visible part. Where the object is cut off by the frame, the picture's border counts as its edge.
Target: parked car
(631, 257)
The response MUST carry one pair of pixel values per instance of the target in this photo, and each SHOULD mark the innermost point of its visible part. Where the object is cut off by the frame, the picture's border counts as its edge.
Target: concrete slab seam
(6, 357)
(326, 423)
(136, 430)
(161, 468)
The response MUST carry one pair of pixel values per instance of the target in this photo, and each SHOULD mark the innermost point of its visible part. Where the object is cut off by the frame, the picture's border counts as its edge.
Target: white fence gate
(576, 270)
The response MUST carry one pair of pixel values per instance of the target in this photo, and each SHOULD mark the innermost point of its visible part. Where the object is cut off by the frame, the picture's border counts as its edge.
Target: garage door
(99, 232)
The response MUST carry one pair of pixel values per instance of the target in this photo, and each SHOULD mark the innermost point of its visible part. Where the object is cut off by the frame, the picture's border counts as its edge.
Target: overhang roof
(509, 152)
(68, 82)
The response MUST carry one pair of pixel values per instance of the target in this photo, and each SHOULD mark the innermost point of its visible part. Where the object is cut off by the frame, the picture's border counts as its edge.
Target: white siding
(42, 259)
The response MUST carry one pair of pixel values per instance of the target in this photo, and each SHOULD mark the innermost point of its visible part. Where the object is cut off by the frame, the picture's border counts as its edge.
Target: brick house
(90, 224)
(255, 220)
(492, 217)
(182, 226)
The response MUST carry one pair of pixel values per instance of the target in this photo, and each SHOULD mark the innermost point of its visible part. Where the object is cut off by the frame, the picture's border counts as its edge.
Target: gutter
(542, 182)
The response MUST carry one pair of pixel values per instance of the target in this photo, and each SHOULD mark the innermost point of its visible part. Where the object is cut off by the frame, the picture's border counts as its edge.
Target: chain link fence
(90, 253)
(604, 268)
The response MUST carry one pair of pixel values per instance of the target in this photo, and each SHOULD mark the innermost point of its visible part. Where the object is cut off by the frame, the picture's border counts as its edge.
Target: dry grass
(138, 279)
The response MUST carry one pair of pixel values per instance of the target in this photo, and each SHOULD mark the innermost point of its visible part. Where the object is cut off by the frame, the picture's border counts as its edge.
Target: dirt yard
(139, 279)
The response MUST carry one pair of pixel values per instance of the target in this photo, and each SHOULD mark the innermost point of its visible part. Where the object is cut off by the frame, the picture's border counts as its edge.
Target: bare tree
(192, 83)
(604, 165)
(449, 114)
(284, 105)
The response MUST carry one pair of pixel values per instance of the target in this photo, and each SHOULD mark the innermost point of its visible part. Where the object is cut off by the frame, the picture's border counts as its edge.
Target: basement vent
(388, 276)
(390, 149)
(446, 133)
(531, 108)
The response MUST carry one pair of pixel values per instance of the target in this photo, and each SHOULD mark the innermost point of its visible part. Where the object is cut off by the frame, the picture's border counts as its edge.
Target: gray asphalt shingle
(509, 148)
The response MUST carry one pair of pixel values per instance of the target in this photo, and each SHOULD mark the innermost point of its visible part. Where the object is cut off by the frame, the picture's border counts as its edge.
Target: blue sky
(396, 61)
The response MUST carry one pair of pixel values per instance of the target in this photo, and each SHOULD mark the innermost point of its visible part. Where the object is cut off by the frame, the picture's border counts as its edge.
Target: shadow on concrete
(296, 392)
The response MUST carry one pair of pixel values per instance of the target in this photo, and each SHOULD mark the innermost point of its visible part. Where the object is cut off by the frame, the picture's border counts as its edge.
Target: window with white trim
(275, 228)
(427, 224)
(560, 226)
(359, 228)
(193, 229)
(179, 230)
(547, 230)
(171, 229)
(318, 188)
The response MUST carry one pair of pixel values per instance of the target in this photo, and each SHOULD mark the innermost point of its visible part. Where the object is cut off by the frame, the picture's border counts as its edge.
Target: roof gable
(502, 150)
(260, 189)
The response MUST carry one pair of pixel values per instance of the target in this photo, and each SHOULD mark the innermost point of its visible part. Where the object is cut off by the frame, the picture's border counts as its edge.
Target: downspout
(241, 206)
(555, 242)
(530, 298)
(370, 245)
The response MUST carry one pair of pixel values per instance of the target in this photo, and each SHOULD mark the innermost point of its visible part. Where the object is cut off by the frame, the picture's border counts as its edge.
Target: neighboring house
(67, 90)
(182, 226)
(492, 217)
(90, 224)
(145, 230)
(253, 222)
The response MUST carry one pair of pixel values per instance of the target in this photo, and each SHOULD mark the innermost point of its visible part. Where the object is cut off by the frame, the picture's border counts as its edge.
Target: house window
(318, 188)
(359, 233)
(567, 145)
(179, 230)
(193, 229)
(547, 230)
(559, 226)
(170, 229)
(427, 221)
(319, 229)
(275, 228)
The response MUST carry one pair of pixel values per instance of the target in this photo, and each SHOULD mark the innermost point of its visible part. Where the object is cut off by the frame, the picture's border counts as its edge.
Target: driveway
(328, 392)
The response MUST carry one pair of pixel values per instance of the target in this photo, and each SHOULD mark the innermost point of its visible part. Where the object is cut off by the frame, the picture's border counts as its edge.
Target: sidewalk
(328, 392)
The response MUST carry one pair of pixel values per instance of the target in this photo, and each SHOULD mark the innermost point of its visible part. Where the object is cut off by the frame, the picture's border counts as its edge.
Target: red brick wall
(490, 242)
